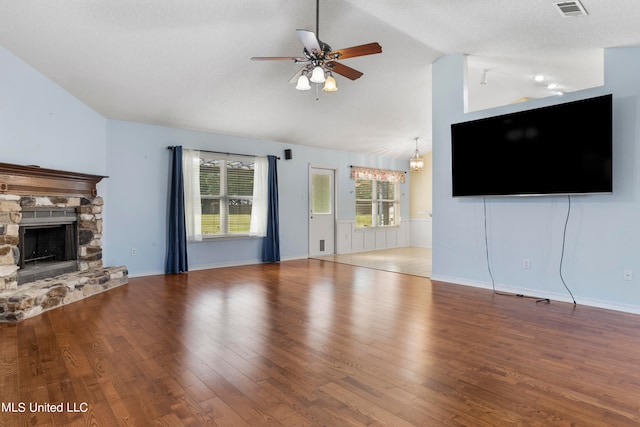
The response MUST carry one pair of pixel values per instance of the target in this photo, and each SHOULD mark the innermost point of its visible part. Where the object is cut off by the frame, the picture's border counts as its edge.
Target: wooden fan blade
(277, 58)
(350, 52)
(309, 40)
(343, 70)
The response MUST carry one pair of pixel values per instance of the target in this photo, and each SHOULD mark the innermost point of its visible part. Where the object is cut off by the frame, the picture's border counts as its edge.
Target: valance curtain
(360, 172)
(176, 261)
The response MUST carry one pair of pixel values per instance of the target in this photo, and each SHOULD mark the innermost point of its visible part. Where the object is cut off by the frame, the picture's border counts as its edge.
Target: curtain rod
(223, 152)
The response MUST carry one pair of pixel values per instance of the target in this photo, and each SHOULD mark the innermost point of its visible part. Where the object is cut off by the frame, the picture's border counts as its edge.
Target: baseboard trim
(555, 296)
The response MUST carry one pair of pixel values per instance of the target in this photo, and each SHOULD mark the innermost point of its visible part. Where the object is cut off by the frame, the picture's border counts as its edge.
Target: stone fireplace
(50, 240)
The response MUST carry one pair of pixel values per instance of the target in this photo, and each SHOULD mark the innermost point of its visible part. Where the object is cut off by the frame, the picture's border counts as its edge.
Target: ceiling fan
(320, 61)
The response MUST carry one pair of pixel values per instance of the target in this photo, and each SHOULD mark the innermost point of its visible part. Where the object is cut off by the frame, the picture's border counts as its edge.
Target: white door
(322, 211)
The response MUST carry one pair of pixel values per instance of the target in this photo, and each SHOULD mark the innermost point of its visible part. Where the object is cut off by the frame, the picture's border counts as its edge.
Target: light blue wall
(603, 234)
(139, 166)
(41, 124)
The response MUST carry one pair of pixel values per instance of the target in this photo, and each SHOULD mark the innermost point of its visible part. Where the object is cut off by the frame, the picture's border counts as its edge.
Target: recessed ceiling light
(538, 78)
(552, 86)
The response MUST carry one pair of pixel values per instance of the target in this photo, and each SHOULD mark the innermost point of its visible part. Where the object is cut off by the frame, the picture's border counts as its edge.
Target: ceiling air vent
(569, 9)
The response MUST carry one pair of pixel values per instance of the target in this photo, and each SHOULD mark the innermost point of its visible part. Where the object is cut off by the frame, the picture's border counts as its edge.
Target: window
(377, 203)
(225, 196)
(377, 196)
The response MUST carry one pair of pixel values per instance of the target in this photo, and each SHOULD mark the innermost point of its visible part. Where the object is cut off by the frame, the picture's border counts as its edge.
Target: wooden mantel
(37, 181)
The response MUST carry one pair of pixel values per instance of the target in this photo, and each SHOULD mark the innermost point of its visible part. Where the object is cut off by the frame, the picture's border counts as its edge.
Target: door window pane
(321, 194)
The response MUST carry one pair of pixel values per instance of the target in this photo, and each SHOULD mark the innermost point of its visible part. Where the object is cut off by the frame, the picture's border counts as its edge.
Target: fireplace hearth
(50, 240)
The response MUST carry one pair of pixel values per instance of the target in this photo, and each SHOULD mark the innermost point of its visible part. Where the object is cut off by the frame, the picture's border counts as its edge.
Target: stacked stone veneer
(30, 299)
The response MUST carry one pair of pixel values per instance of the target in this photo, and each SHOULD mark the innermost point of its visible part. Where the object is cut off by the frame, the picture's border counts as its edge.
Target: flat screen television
(562, 149)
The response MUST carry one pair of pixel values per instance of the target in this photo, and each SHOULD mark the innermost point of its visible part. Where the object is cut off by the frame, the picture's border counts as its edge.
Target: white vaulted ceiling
(185, 63)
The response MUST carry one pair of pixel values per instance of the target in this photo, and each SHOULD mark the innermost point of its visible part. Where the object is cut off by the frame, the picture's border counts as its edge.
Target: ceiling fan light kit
(317, 75)
(303, 83)
(330, 84)
(319, 60)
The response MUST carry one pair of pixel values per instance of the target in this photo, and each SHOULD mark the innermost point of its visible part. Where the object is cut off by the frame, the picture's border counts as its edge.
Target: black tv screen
(556, 150)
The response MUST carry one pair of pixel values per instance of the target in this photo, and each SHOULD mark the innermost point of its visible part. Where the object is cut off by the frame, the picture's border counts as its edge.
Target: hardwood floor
(311, 342)
(406, 260)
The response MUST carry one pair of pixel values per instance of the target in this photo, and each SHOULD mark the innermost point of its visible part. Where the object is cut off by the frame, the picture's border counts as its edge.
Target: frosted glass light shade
(303, 83)
(330, 85)
(317, 76)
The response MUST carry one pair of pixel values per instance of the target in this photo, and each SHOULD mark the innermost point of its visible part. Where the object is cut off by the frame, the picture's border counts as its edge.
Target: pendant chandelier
(416, 163)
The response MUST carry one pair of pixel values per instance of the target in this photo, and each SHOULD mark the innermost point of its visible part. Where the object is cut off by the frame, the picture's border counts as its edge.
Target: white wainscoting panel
(351, 239)
(420, 235)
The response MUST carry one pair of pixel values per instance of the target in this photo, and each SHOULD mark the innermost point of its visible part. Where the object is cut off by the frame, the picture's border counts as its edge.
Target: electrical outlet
(134, 252)
(526, 263)
(627, 275)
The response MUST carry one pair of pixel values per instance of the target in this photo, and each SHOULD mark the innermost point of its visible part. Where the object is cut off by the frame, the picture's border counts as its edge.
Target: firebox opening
(47, 244)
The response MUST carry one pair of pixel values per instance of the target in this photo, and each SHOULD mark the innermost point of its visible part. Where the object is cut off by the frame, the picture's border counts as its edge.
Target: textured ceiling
(185, 63)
